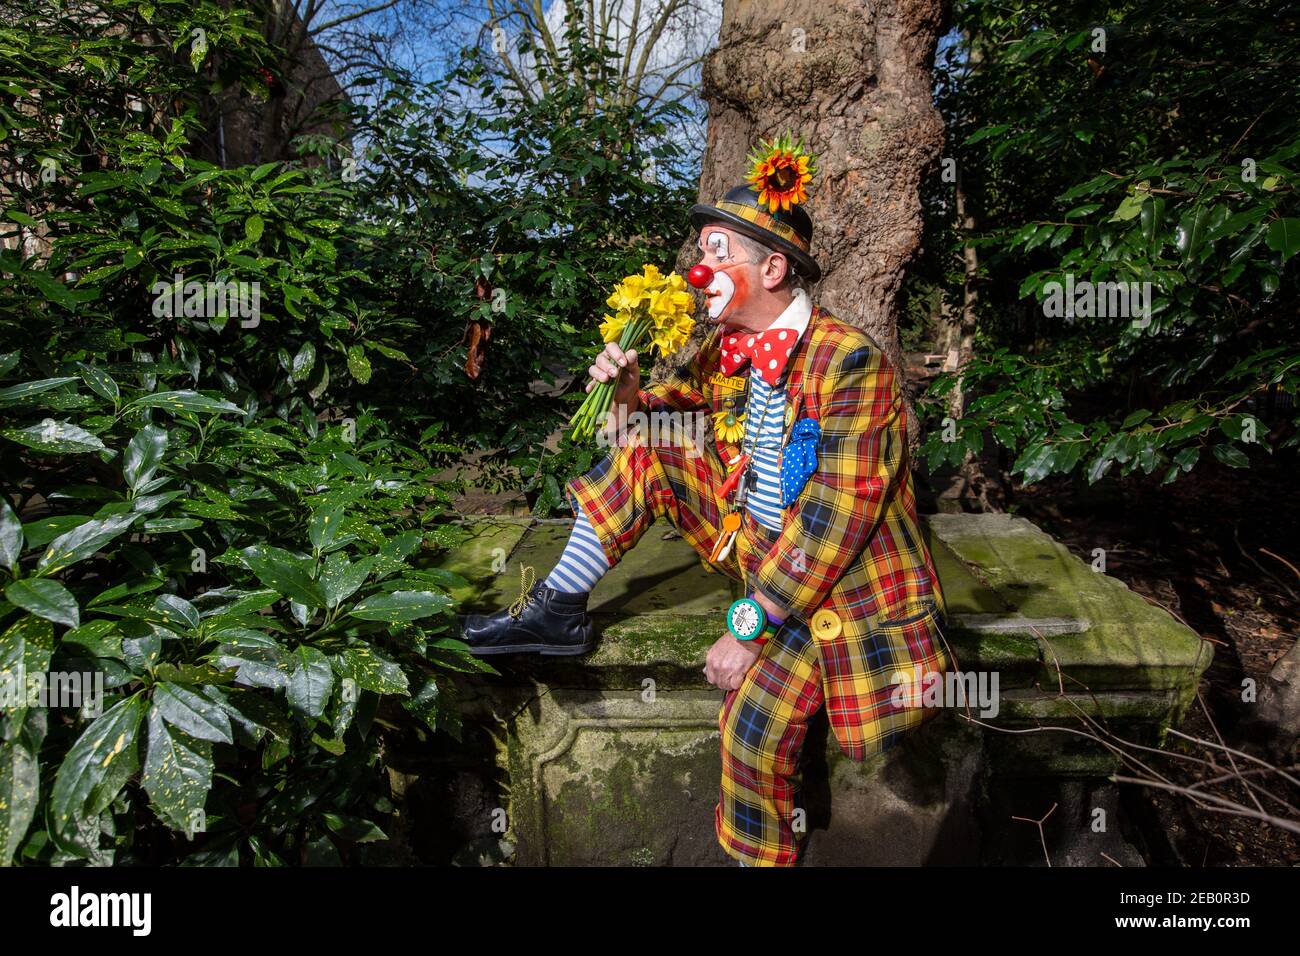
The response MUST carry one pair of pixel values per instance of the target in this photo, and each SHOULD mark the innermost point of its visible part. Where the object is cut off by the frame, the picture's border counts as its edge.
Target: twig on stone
(1041, 837)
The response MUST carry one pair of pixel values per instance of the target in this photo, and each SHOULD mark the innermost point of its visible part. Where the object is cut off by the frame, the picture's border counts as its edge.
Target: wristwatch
(747, 621)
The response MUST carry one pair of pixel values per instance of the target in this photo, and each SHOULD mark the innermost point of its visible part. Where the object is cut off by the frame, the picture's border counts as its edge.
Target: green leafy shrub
(198, 504)
(520, 214)
(225, 395)
(1123, 143)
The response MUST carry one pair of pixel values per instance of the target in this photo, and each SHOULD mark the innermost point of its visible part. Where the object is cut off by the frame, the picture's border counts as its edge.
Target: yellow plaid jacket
(850, 552)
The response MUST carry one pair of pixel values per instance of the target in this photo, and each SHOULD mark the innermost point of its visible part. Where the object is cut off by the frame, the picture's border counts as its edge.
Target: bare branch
(339, 21)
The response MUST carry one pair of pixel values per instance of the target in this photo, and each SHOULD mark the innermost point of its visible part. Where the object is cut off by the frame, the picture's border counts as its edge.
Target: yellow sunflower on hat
(781, 169)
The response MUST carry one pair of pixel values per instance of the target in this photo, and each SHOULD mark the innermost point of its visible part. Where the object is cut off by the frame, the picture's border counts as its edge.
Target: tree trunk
(854, 79)
(963, 349)
(980, 489)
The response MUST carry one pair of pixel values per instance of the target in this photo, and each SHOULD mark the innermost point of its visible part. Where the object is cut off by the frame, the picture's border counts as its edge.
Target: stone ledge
(612, 758)
(1018, 602)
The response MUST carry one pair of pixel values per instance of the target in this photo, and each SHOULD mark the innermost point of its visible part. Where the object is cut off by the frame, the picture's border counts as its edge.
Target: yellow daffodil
(670, 316)
(670, 339)
(671, 302)
(628, 294)
(613, 326)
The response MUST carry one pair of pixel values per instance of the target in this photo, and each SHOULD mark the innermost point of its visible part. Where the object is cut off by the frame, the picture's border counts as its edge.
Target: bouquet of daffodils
(649, 306)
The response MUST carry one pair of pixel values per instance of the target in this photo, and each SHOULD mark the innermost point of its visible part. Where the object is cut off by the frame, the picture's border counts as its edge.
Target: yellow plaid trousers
(763, 723)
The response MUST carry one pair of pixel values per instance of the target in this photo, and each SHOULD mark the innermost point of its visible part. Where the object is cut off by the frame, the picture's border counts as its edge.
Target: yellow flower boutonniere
(728, 426)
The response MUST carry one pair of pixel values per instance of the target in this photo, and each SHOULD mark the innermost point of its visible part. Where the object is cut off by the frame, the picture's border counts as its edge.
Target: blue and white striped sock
(583, 562)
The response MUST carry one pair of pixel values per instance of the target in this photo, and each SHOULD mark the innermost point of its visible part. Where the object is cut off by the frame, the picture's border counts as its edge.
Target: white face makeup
(721, 291)
(716, 243)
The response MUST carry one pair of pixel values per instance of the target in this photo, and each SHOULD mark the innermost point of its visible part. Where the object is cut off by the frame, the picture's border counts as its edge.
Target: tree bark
(855, 80)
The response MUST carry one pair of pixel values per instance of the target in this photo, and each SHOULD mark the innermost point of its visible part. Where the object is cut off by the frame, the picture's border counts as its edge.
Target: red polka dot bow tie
(769, 351)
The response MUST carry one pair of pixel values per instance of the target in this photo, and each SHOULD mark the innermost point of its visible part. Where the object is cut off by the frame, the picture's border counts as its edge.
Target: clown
(805, 498)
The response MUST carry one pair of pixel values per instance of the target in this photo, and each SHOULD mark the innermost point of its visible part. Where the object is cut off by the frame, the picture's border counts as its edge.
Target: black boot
(548, 622)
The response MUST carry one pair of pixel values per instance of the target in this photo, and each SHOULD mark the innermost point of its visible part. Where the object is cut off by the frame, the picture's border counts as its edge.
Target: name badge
(735, 383)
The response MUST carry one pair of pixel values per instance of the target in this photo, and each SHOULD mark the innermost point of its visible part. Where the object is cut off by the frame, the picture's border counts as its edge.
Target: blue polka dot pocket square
(799, 459)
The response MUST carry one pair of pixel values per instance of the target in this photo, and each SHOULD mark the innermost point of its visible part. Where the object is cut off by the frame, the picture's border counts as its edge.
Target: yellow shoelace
(527, 578)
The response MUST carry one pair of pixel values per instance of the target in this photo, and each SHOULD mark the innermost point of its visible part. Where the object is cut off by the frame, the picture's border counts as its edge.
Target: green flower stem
(599, 399)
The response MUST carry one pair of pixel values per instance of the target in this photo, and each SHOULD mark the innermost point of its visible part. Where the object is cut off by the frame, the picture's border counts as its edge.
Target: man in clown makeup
(805, 497)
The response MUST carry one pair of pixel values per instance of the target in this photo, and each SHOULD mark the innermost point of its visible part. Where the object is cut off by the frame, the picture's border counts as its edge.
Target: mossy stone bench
(612, 758)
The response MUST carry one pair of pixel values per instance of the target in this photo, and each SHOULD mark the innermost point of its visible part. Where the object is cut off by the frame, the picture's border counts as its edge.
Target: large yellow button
(826, 625)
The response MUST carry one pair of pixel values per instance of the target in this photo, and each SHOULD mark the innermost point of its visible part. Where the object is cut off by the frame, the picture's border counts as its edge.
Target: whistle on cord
(729, 485)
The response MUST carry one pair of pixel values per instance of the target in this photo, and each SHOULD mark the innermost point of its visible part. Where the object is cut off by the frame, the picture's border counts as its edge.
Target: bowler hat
(788, 231)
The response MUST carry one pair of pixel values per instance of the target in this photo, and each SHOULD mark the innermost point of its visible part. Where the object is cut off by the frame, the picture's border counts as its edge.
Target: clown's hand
(613, 361)
(729, 660)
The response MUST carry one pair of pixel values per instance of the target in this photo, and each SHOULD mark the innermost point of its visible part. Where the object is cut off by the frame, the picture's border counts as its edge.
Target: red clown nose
(700, 276)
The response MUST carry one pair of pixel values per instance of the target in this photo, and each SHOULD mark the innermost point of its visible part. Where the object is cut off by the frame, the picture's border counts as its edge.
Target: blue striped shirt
(764, 496)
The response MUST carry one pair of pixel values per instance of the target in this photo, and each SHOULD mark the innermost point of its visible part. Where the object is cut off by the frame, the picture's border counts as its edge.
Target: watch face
(745, 619)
